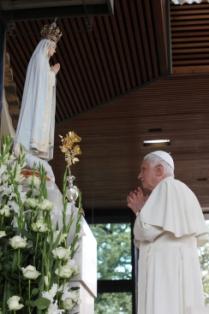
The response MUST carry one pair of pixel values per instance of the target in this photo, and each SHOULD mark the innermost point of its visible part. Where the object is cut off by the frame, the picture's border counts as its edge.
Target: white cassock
(167, 232)
(35, 130)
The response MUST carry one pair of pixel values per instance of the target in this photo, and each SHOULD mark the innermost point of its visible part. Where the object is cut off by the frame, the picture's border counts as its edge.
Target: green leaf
(41, 303)
(34, 292)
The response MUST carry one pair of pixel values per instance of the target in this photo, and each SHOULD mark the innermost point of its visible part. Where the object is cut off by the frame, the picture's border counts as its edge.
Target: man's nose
(139, 176)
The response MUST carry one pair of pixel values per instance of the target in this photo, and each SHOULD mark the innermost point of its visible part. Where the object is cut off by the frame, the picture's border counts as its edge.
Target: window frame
(105, 216)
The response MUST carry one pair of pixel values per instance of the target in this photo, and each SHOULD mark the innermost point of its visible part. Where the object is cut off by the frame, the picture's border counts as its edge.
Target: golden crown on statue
(52, 32)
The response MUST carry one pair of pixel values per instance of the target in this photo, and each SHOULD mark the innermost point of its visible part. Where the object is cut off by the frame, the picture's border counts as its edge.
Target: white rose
(5, 211)
(74, 295)
(73, 265)
(13, 303)
(61, 253)
(30, 272)
(17, 242)
(31, 202)
(46, 205)
(68, 304)
(64, 271)
(70, 298)
(39, 226)
(2, 234)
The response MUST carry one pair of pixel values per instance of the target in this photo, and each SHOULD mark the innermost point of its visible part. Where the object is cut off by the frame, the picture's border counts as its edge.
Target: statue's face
(52, 49)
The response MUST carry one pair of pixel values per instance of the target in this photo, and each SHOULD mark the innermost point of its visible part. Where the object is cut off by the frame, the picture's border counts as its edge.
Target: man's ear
(159, 170)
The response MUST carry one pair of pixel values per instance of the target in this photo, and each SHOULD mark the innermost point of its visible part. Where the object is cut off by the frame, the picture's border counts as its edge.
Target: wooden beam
(62, 11)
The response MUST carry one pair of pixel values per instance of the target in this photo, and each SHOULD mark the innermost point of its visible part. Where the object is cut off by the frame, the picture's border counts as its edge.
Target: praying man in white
(168, 228)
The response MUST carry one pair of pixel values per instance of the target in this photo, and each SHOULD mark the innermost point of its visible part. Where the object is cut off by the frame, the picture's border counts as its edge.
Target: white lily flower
(30, 272)
(13, 303)
(14, 222)
(69, 297)
(31, 202)
(5, 211)
(46, 205)
(53, 309)
(62, 237)
(39, 226)
(14, 206)
(7, 190)
(17, 169)
(51, 293)
(34, 180)
(3, 168)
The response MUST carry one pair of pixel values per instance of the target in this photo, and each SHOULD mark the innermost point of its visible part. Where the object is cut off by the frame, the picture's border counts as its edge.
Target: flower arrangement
(36, 254)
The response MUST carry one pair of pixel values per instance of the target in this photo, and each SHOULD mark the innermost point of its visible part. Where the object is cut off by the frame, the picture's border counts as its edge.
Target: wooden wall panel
(113, 134)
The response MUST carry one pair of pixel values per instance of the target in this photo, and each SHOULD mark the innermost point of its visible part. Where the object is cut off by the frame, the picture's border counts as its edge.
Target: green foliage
(114, 250)
(117, 303)
(36, 257)
(114, 263)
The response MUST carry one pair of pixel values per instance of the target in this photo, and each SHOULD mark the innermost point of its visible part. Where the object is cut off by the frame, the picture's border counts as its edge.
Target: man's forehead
(144, 164)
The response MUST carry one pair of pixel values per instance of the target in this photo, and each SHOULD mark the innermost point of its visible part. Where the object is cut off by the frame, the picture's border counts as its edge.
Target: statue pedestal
(86, 259)
(86, 280)
(86, 300)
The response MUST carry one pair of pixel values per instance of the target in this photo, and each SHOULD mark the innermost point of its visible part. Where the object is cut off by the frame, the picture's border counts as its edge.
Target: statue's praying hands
(55, 68)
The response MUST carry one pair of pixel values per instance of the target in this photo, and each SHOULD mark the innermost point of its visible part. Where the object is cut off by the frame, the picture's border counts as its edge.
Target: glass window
(204, 261)
(109, 303)
(114, 251)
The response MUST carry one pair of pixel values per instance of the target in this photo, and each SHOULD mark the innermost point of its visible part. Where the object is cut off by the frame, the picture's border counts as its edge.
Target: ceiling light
(158, 142)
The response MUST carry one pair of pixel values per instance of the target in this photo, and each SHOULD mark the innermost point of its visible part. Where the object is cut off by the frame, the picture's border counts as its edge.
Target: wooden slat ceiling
(190, 33)
(101, 57)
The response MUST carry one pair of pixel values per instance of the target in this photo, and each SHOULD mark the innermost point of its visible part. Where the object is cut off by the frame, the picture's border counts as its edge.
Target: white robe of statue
(167, 232)
(35, 130)
(6, 127)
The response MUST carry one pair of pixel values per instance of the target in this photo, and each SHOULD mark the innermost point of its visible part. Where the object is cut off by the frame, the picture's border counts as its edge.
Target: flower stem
(29, 296)
(18, 258)
(37, 239)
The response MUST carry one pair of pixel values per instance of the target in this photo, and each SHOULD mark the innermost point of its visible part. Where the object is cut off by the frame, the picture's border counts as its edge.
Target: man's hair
(155, 160)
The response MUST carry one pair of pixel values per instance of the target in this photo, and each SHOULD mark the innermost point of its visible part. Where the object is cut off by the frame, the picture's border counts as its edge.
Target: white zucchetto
(164, 156)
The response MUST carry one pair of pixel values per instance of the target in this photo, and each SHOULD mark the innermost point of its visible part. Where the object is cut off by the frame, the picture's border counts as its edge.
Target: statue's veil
(35, 97)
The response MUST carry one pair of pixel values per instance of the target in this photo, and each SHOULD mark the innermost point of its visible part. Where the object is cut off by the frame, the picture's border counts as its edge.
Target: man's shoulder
(177, 187)
(171, 182)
